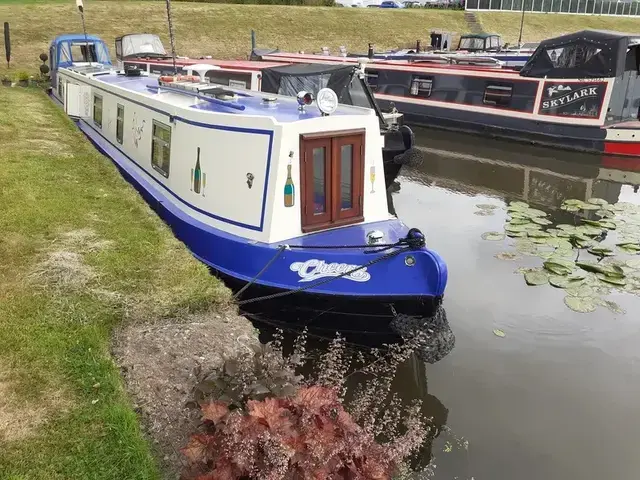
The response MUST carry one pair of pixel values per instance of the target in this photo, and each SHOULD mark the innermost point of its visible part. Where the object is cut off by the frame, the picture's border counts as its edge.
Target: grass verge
(80, 253)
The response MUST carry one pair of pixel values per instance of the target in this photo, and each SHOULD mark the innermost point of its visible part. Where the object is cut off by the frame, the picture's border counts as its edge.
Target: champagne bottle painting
(198, 177)
(289, 188)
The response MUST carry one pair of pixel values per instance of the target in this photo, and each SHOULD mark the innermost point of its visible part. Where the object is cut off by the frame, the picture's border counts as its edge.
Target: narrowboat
(579, 92)
(472, 46)
(277, 194)
(145, 51)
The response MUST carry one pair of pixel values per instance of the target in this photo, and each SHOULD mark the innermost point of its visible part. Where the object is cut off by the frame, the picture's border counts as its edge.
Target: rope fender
(414, 240)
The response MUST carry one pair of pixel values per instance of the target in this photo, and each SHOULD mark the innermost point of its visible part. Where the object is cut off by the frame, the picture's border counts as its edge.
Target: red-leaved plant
(306, 436)
(264, 422)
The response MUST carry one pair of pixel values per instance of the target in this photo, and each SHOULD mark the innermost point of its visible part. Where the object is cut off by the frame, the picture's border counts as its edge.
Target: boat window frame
(93, 114)
(334, 215)
(119, 123)
(421, 78)
(166, 144)
(498, 86)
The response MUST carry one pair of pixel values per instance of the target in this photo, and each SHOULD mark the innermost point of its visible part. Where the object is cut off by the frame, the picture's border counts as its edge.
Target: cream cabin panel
(231, 175)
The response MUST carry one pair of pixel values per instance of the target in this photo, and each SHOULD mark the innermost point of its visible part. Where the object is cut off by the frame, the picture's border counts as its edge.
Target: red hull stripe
(622, 148)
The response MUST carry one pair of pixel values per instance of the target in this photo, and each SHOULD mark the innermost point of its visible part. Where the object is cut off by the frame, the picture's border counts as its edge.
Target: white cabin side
(243, 159)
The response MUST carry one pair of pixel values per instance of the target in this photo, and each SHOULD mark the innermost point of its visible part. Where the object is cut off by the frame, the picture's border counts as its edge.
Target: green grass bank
(224, 30)
(80, 255)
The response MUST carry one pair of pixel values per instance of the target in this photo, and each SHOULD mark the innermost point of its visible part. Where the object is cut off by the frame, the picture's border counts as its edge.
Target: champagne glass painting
(372, 177)
(204, 182)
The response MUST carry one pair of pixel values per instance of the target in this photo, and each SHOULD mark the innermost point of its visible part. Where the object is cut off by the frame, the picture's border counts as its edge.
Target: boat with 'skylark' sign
(579, 91)
(282, 195)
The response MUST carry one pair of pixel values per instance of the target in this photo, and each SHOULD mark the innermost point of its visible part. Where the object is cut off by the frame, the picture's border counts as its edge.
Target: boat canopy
(72, 48)
(139, 44)
(291, 79)
(585, 54)
(479, 42)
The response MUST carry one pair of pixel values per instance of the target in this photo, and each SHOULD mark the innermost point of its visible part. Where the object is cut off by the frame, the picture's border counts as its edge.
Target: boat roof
(479, 35)
(246, 102)
(75, 37)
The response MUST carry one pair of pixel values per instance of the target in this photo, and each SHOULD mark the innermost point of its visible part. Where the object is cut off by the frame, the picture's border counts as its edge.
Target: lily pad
(608, 224)
(537, 234)
(590, 206)
(519, 221)
(601, 251)
(589, 230)
(499, 333)
(535, 212)
(580, 290)
(605, 213)
(562, 281)
(517, 204)
(558, 267)
(541, 221)
(573, 201)
(536, 277)
(515, 228)
(486, 206)
(516, 234)
(597, 201)
(506, 256)
(570, 208)
(581, 304)
(632, 248)
(633, 263)
(566, 227)
(493, 236)
(483, 213)
(619, 281)
(613, 306)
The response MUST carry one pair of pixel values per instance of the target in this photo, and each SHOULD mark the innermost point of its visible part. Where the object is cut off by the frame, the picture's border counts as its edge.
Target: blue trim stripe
(199, 210)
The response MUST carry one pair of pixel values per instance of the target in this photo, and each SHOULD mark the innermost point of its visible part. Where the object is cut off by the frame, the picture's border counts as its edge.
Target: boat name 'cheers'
(314, 268)
(570, 97)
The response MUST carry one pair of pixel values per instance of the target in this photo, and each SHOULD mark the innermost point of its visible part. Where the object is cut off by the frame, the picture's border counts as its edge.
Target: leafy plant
(22, 76)
(262, 420)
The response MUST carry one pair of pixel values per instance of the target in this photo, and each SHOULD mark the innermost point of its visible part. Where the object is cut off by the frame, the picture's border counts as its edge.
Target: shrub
(263, 421)
(22, 76)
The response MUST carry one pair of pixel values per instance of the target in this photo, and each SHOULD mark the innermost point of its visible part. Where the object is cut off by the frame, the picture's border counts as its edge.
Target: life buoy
(167, 78)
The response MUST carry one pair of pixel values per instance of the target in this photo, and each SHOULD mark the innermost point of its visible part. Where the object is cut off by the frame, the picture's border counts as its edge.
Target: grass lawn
(538, 26)
(80, 253)
(224, 30)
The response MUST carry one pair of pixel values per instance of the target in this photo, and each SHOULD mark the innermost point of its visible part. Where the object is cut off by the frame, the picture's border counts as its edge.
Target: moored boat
(280, 195)
(578, 91)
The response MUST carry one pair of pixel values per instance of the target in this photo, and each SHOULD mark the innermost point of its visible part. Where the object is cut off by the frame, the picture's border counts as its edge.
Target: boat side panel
(293, 268)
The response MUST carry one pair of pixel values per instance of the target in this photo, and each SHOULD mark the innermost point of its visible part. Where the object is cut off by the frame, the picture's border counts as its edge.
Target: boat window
(332, 180)
(119, 48)
(372, 79)
(471, 43)
(346, 177)
(572, 56)
(161, 148)
(79, 52)
(97, 110)
(290, 85)
(495, 43)
(498, 95)
(120, 123)
(359, 98)
(319, 180)
(421, 86)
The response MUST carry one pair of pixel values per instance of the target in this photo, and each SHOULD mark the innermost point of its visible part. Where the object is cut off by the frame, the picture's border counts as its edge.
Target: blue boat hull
(415, 285)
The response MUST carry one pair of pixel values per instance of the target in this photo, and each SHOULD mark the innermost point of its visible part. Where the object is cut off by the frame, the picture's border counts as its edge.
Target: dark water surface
(559, 396)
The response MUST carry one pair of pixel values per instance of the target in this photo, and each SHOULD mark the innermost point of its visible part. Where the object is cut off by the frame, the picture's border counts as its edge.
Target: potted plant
(23, 79)
(6, 81)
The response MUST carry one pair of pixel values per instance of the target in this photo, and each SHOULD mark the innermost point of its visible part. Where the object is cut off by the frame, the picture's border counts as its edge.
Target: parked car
(412, 4)
(391, 4)
(349, 3)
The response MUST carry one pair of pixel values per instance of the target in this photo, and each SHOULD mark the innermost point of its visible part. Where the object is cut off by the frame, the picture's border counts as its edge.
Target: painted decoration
(289, 188)
(137, 129)
(314, 269)
(198, 177)
(372, 177)
(250, 178)
(572, 99)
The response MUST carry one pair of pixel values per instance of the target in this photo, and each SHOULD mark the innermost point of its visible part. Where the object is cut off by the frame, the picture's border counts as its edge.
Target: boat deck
(629, 125)
(285, 109)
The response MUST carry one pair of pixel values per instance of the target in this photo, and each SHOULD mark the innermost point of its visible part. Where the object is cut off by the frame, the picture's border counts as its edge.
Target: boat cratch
(282, 196)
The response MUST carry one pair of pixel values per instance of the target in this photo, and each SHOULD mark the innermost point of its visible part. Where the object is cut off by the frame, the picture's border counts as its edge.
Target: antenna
(7, 43)
(84, 28)
(173, 46)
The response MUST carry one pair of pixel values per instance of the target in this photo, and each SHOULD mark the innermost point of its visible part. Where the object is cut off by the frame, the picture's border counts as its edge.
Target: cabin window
(421, 86)
(372, 80)
(498, 95)
(161, 148)
(120, 123)
(332, 180)
(119, 48)
(97, 110)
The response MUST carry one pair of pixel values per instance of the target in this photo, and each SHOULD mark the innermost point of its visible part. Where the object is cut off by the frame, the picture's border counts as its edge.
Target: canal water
(558, 397)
